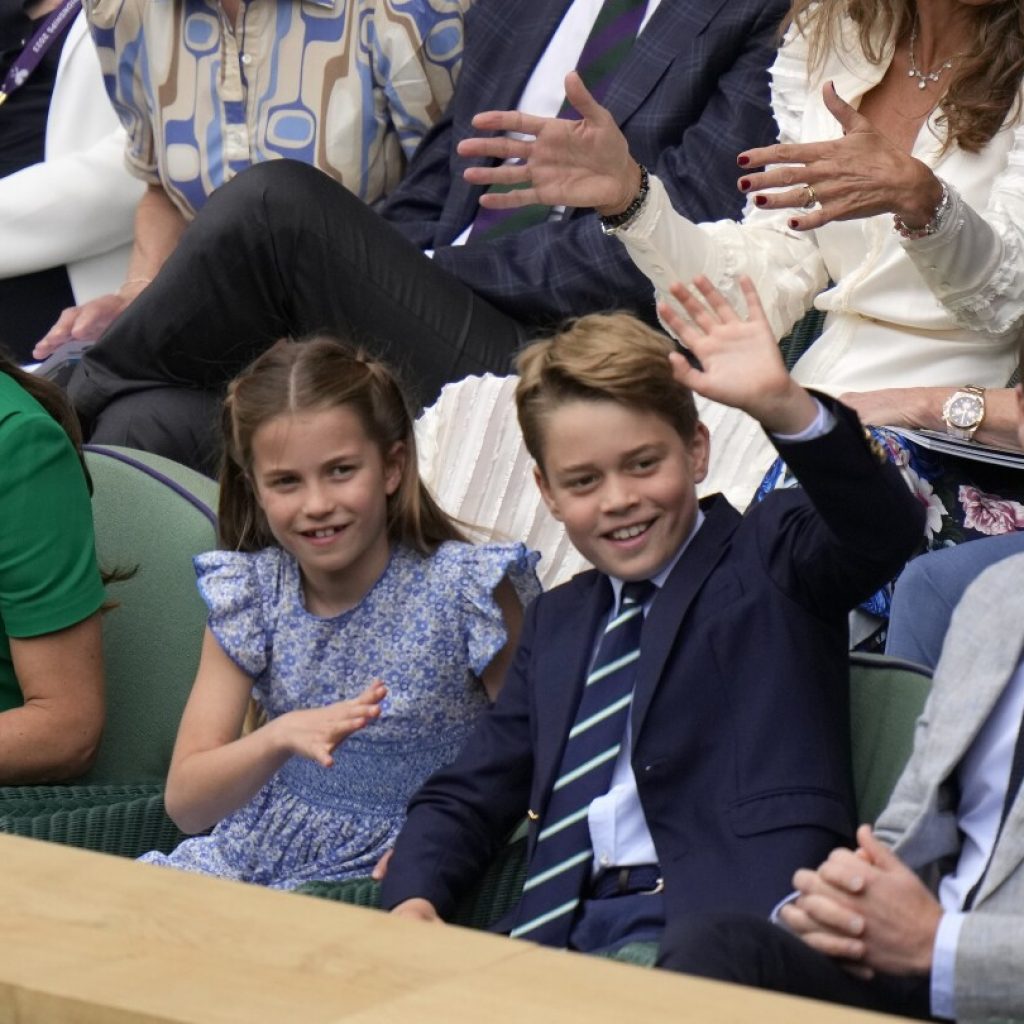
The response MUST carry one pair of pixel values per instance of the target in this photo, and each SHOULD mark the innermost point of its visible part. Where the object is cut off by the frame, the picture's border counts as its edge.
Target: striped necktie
(562, 857)
(607, 46)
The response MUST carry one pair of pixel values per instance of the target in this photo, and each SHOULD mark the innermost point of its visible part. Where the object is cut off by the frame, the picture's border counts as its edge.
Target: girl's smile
(323, 486)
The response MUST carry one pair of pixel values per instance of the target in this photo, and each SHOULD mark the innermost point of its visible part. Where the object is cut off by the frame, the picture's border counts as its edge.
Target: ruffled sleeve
(785, 265)
(238, 588)
(475, 570)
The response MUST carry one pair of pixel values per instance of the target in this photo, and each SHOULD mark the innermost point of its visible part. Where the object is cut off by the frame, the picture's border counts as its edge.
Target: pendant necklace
(924, 77)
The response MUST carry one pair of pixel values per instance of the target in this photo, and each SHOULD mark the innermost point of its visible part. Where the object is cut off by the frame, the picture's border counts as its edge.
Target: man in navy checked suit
(283, 249)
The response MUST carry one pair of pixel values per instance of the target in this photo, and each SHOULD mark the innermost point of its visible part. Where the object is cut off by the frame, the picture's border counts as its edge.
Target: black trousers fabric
(749, 950)
(284, 250)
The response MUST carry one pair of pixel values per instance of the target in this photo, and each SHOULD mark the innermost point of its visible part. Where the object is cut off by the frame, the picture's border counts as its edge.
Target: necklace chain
(924, 77)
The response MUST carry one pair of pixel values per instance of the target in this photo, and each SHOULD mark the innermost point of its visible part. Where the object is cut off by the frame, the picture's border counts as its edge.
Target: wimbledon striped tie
(607, 46)
(563, 854)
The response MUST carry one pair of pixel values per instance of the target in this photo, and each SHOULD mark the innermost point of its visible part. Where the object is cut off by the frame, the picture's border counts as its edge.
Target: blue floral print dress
(427, 628)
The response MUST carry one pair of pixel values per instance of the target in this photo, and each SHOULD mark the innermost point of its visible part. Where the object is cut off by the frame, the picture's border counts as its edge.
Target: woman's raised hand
(315, 733)
(859, 175)
(558, 162)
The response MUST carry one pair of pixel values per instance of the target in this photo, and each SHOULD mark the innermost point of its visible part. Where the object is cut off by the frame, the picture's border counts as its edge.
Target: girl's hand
(860, 175)
(316, 733)
(418, 909)
(740, 361)
(583, 162)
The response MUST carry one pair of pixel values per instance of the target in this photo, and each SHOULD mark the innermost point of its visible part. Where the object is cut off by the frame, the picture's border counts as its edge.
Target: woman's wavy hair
(310, 375)
(984, 83)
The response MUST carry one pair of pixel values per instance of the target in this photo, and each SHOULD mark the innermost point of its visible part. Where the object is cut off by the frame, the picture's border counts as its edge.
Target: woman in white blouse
(899, 176)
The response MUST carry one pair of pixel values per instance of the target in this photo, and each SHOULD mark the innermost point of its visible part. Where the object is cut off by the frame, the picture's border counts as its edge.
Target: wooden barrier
(91, 939)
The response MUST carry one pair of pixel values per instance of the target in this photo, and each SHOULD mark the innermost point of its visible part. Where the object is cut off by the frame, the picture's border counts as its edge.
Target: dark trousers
(749, 950)
(281, 250)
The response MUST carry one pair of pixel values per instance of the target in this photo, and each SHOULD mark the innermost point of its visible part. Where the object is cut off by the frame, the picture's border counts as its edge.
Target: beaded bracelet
(932, 226)
(620, 220)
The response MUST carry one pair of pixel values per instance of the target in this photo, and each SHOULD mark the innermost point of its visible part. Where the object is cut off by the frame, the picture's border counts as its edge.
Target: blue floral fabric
(964, 498)
(427, 628)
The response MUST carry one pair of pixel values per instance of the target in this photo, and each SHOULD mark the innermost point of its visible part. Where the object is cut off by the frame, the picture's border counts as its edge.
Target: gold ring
(812, 198)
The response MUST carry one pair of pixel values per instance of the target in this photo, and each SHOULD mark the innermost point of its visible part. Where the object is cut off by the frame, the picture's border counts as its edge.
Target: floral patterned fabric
(428, 627)
(964, 498)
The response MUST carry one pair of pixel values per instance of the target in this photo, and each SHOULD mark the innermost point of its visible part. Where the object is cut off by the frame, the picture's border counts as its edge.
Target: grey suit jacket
(981, 652)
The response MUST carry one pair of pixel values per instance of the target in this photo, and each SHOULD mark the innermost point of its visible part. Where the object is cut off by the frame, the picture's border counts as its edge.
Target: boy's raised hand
(315, 733)
(740, 360)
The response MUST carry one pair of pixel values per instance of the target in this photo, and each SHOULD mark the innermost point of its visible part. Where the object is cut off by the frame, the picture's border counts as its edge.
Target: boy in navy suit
(675, 722)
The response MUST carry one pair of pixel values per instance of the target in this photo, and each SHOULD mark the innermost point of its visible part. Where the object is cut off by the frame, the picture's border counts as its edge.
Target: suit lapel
(673, 602)
(534, 27)
(562, 671)
(664, 39)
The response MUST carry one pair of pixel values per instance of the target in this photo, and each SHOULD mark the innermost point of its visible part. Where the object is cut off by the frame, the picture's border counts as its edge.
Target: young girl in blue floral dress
(350, 605)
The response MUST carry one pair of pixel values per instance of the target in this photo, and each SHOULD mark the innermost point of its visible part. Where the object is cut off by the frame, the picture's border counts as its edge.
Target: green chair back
(151, 516)
(886, 698)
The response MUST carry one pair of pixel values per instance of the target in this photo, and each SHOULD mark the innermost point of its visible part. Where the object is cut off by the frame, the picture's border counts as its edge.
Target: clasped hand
(866, 908)
(315, 733)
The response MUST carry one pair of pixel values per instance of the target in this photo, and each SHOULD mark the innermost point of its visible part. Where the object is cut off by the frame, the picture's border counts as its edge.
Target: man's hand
(582, 162)
(740, 361)
(869, 907)
(417, 909)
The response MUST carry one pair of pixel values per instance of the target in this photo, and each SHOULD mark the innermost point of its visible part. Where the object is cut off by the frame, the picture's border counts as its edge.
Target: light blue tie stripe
(630, 611)
(624, 702)
(529, 926)
(613, 666)
(569, 862)
(588, 766)
(569, 819)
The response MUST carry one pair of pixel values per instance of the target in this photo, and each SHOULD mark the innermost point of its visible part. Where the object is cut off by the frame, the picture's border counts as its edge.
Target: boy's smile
(623, 482)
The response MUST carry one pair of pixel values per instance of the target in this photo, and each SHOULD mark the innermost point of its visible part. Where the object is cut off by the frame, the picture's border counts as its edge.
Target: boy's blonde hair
(602, 357)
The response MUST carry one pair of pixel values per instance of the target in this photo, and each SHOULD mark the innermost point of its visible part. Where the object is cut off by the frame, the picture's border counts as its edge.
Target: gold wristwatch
(963, 411)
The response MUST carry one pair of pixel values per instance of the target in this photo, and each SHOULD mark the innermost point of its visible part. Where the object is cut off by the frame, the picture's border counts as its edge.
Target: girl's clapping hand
(317, 732)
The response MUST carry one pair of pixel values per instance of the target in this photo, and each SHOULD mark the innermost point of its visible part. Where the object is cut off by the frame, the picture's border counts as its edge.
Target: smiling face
(623, 482)
(323, 486)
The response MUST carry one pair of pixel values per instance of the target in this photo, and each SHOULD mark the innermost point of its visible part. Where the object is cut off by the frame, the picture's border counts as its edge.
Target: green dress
(49, 578)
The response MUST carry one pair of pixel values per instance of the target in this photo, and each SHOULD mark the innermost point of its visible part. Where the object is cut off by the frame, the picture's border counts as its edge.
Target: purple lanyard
(36, 48)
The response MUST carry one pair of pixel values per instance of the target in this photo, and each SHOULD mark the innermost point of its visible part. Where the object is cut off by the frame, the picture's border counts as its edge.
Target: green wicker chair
(886, 697)
(151, 516)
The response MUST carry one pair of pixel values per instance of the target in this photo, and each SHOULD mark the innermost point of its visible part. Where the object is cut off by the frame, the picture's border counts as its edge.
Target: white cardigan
(76, 207)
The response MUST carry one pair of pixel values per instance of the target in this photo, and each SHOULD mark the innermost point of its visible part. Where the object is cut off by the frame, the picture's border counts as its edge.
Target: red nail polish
(794, 223)
(744, 184)
(760, 200)
(743, 160)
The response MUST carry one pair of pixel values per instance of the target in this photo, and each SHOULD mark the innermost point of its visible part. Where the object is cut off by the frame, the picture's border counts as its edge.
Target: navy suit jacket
(692, 94)
(741, 709)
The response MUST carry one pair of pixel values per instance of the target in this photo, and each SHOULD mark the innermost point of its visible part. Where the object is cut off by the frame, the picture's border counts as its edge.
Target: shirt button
(605, 860)
(246, 58)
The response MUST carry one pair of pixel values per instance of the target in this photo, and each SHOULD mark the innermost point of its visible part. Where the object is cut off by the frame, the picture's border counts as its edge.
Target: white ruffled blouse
(942, 310)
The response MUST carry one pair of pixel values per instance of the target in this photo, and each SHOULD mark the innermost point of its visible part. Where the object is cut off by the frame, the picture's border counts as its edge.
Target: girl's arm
(493, 676)
(214, 771)
(55, 734)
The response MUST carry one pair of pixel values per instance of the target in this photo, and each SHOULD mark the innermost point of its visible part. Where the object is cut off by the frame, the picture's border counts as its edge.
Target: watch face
(965, 410)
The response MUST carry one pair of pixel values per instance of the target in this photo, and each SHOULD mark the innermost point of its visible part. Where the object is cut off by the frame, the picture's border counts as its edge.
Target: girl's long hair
(310, 375)
(984, 83)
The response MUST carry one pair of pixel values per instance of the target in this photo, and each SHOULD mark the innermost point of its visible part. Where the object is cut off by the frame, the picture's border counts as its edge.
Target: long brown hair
(313, 374)
(984, 83)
